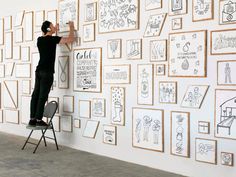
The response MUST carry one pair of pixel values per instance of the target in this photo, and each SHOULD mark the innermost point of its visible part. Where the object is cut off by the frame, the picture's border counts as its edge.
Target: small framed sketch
(176, 23)
(168, 92)
(66, 123)
(8, 45)
(180, 133)
(26, 87)
(226, 69)
(85, 109)
(151, 5)
(206, 150)
(25, 54)
(194, 96)
(98, 107)
(89, 32)
(29, 28)
(1, 31)
(134, 49)
(178, 7)
(223, 42)
(158, 50)
(90, 12)
(187, 54)
(202, 10)
(90, 129)
(114, 48)
(109, 134)
(19, 35)
(154, 25)
(77, 123)
(203, 127)
(68, 104)
(19, 18)
(160, 69)
(52, 16)
(148, 129)
(11, 116)
(118, 105)
(145, 88)
(8, 23)
(227, 13)
(63, 72)
(227, 159)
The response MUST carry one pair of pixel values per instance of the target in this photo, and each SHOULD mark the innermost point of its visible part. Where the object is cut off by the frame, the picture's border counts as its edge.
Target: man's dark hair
(45, 26)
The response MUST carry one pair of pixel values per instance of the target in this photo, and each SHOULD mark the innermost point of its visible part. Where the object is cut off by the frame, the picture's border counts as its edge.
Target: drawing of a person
(138, 129)
(146, 125)
(227, 73)
(156, 128)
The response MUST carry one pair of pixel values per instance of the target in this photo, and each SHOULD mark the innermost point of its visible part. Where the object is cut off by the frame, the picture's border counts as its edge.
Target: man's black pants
(42, 87)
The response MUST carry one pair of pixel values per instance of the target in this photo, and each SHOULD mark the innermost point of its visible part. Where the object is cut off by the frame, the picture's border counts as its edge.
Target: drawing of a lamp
(118, 110)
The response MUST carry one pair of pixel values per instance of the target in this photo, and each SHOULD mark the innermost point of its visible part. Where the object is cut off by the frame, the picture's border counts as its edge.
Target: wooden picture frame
(202, 11)
(143, 119)
(182, 47)
(110, 134)
(223, 42)
(66, 123)
(19, 18)
(23, 70)
(225, 73)
(203, 127)
(89, 32)
(85, 109)
(227, 159)
(25, 54)
(29, 26)
(134, 49)
(151, 5)
(1, 31)
(8, 23)
(10, 94)
(178, 7)
(98, 107)
(158, 50)
(11, 116)
(90, 12)
(63, 72)
(114, 48)
(25, 109)
(85, 80)
(226, 15)
(180, 134)
(19, 35)
(176, 24)
(206, 150)
(8, 45)
(160, 70)
(90, 129)
(168, 92)
(68, 104)
(26, 87)
(52, 16)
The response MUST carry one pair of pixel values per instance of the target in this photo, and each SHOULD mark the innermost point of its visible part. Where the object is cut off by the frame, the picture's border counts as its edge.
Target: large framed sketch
(223, 42)
(178, 7)
(88, 70)
(148, 129)
(226, 70)
(118, 15)
(202, 10)
(180, 133)
(227, 12)
(225, 113)
(68, 10)
(187, 54)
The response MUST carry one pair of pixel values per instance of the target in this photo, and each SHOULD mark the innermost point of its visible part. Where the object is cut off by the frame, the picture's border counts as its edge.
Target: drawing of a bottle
(144, 84)
(118, 110)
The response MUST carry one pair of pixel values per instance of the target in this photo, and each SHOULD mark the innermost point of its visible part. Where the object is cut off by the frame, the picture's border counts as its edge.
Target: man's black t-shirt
(47, 50)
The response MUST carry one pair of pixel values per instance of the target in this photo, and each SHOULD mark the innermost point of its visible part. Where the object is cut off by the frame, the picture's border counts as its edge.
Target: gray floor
(67, 162)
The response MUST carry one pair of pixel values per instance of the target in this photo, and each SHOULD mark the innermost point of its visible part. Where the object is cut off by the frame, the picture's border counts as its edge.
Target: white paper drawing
(89, 32)
(160, 70)
(63, 72)
(168, 92)
(116, 74)
(227, 158)
(134, 49)
(177, 7)
(114, 48)
(176, 23)
(98, 107)
(158, 50)
(202, 10)
(227, 11)
(109, 134)
(225, 72)
(203, 127)
(90, 12)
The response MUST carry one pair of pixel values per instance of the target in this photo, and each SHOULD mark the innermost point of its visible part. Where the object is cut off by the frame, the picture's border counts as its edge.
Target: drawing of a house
(227, 115)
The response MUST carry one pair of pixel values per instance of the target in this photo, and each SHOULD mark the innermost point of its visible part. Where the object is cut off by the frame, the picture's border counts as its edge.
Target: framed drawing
(202, 10)
(19, 18)
(225, 72)
(10, 94)
(227, 13)
(66, 123)
(227, 159)
(206, 150)
(25, 54)
(134, 49)
(148, 129)
(8, 45)
(90, 12)
(9, 68)
(39, 18)
(2, 70)
(203, 127)
(98, 107)
(29, 27)
(118, 15)
(77, 123)
(68, 104)
(223, 42)
(168, 92)
(85, 109)
(176, 23)
(8, 23)
(225, 106)
(109, 134)
(180, 133)
(1, 31)
(89, 32)
(19, 35)
(158, 50)
(52, 16)
(118, 105)
(154, 25)
(114, 48)
(57, 100)
(63, 72)
(88, 70)
(178, 7)
(145, 81)
(68, 10)
(90, 129)
(11, 116)
(160, 70)
(23, 70)
(187, 54)
(56, 123)
(25, 109)
(151, 5)
(194, 96)
(16, 52)
(116, 74)
(26, 87)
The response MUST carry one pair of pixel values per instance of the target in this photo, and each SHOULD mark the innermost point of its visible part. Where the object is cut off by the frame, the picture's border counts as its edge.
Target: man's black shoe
(41, 124)
(32, 123)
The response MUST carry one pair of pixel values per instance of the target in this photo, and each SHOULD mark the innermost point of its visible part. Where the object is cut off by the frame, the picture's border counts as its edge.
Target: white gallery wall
(144, 102)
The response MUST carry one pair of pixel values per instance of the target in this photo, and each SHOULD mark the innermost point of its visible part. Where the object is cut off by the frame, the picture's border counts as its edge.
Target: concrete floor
(67, 162)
